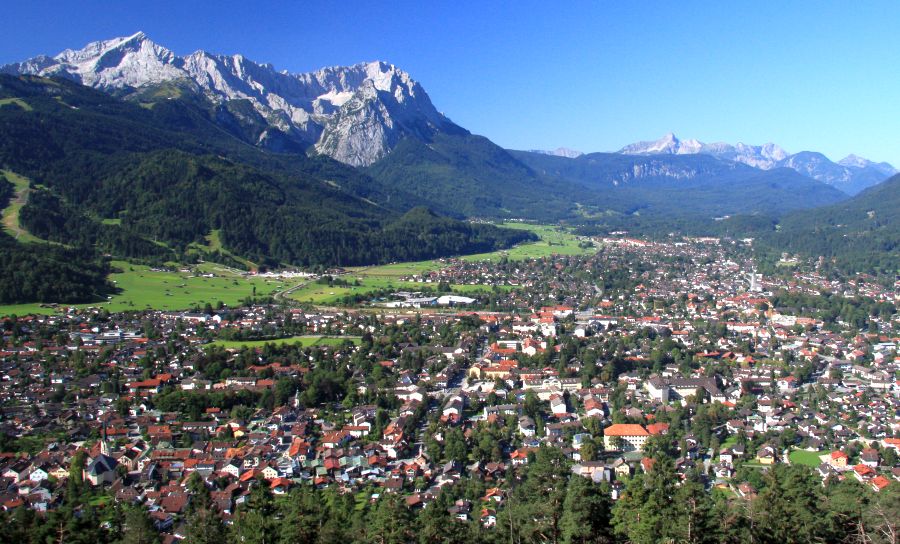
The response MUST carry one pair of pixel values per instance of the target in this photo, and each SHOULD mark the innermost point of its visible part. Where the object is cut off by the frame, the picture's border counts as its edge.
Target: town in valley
(599, 364)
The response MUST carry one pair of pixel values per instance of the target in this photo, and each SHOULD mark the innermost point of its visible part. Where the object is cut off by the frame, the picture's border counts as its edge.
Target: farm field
(552, 242)
(396, 270)
(305, 341)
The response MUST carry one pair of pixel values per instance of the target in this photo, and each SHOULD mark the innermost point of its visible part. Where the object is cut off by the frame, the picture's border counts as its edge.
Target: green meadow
(16, 102)
(553, 241)
(11, 212)
(305, 341)
(142, 288)
(317, 293)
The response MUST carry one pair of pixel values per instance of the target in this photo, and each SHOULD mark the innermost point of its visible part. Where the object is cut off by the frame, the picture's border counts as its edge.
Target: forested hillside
(114, 176)
(683, 186)
(858, 235)
(468, 175)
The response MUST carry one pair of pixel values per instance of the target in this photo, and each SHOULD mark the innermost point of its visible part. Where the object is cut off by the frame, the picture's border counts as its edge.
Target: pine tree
(204, 527)
(693, 508)
(301, 517)
(254, 522)
(138, 529)
(389, 522)
(586, 513)
(791, 506)
(645, 511)
(435, 524)
(535, 509)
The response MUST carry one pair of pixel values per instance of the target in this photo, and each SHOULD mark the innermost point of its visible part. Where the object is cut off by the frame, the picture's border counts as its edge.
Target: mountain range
(355, 114)
(344, 165)
(851, 174)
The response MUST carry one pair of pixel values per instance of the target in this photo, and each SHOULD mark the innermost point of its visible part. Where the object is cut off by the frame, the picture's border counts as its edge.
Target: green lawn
(11, 213)
(318, 293)
(101, 500)
(803, 457)
(143, 288)
(396, 270)
(303, 340)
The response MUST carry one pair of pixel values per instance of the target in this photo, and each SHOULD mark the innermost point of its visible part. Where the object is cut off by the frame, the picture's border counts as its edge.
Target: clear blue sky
(592, 76)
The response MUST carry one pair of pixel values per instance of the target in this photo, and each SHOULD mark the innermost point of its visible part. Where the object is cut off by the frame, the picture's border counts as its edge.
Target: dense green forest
(48, 272)
(546, 504)
(859, 235)
(43, 272)
(468, 175)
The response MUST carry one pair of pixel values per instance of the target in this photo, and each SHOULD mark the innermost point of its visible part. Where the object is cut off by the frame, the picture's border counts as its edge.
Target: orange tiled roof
(625, 429)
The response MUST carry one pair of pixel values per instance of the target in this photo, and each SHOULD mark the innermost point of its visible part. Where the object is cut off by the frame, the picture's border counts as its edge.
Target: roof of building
(625, 429)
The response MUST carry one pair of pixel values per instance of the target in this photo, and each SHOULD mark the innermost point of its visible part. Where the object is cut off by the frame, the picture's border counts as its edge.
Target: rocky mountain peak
(319, 109)
(560, 152)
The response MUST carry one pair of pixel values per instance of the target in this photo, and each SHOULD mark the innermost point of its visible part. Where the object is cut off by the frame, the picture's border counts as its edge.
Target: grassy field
(808, 458)
(318, 293)
(17, 101)
(553, 241)
(396, 270)
(305, 341)
(214, 243)
(11, 213)
(143, 288)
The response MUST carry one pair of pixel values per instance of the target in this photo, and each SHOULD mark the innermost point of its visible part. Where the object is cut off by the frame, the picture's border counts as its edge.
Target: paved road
(288, 291)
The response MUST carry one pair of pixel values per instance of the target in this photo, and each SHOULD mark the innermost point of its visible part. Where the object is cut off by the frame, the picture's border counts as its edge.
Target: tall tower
(104, 443)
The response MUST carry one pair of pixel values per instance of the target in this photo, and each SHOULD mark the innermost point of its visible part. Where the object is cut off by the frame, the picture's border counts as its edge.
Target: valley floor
(144, 288)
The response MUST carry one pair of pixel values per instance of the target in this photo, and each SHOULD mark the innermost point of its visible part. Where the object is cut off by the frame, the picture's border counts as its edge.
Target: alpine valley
(125, 149)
